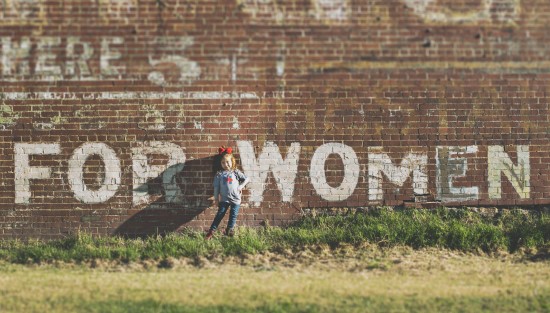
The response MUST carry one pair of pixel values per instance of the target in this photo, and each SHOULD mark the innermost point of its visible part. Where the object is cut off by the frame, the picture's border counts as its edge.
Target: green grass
(346, 304)
(458, 229)
(427, 280)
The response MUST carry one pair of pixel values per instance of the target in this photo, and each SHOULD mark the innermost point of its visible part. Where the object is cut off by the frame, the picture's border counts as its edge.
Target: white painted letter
(143, 171)
(351, 171)
(23, 170)
(284, 171)
(172, 48)
(519, 175)
(451, 163)
(20, 53)
(112, 173)
(45, 64)
(81, 60)
(108, 54)
(380, 163)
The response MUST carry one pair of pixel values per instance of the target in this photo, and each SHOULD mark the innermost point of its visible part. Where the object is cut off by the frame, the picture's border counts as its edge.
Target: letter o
(351, 171)
(112, 173)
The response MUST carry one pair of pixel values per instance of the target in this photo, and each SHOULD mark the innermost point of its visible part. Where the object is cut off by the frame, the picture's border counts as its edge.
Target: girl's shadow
(175, 208)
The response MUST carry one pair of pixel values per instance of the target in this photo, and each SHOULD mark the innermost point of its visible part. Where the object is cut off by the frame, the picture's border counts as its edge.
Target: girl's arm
(243, 180)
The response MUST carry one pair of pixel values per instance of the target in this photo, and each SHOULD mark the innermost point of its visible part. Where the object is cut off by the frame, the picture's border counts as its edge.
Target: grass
(425, 281)
(457, 229)
(400, 277)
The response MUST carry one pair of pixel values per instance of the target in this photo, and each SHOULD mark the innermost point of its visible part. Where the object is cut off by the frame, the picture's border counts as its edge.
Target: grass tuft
(458, 229)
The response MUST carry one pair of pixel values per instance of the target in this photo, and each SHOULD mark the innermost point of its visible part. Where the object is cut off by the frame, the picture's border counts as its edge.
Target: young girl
(228, 185)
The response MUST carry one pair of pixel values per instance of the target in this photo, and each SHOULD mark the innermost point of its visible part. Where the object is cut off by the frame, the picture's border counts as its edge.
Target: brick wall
(111, 111)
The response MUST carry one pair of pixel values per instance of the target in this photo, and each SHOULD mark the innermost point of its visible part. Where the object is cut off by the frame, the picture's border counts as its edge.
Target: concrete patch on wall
(519, 174)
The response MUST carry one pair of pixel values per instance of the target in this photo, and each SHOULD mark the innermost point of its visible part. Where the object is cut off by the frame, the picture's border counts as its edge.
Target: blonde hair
(233, 160)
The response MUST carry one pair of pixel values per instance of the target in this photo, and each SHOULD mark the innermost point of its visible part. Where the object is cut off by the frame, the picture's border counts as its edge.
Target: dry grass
(398, 279)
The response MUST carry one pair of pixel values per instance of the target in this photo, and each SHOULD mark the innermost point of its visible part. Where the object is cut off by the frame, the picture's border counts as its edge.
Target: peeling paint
(236, 124)
(415, 164)
(154, 119)
(451, 163)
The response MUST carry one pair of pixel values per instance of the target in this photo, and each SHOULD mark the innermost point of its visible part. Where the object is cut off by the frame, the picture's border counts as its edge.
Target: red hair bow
(222, 150)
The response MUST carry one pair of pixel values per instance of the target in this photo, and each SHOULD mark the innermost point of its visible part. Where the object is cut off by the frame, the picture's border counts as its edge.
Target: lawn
(381, 260)
(371, 279)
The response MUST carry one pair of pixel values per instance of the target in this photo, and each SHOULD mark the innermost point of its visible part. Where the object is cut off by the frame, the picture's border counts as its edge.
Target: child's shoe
(230, 232)
(209, 234)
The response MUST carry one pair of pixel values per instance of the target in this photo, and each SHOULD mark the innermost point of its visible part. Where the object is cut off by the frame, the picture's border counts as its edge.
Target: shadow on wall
(181, 199)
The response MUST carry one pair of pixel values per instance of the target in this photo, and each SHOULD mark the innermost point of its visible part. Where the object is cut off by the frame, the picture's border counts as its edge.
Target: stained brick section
(111, 112)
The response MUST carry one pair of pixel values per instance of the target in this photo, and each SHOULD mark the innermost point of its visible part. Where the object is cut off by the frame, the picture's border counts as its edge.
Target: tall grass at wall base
(458, 229)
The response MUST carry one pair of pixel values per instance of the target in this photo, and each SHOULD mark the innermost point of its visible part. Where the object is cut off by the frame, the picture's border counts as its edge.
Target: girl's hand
(214, 202)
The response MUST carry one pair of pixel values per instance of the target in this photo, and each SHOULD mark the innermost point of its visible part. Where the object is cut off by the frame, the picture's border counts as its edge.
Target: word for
(451, 163)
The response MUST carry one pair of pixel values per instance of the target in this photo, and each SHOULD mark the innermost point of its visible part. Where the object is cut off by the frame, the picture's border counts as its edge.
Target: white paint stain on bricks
(21, 10)
(451, 163)
(324, 11)
(171, 49)
(495, 11)
(431, 11)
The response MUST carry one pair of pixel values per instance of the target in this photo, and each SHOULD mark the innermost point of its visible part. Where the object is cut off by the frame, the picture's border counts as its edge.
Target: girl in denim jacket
(229, 183)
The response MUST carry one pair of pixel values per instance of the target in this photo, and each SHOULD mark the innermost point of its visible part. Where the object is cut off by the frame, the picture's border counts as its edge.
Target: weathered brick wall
(111, 111)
